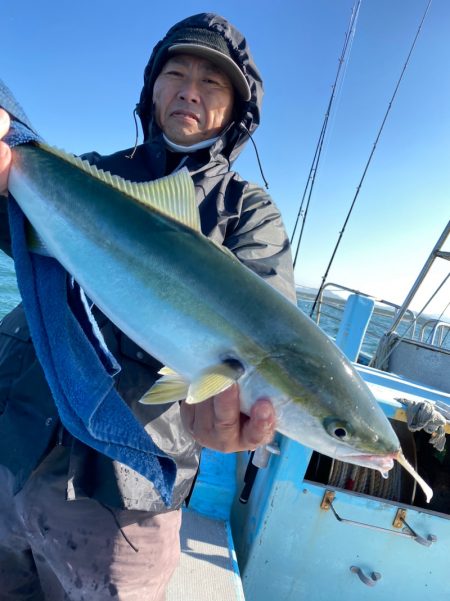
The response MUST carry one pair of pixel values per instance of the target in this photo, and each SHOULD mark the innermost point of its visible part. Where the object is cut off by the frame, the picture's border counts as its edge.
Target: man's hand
(218, 423)
(5, 153)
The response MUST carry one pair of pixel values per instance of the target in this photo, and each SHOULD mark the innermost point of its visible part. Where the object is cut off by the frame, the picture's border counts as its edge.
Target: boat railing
(434, 332)
(329, 311)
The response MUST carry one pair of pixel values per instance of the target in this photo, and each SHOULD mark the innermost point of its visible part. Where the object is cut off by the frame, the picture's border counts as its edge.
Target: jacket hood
(247, 113)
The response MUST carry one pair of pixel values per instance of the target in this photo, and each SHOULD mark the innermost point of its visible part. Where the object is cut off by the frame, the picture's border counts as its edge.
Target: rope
(358, 189)
(428, 416)
(388, 342)
(365, 480)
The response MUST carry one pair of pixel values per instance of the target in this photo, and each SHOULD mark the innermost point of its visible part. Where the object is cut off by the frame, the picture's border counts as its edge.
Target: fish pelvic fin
(172, 387)
(212, 382)
(168, 389)
(173, 196)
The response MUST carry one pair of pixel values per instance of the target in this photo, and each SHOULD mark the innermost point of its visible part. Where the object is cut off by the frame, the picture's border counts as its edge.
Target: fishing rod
(358, 189)
(317, 154)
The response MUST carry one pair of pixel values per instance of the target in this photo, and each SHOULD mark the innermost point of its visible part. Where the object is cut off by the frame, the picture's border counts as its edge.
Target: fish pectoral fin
(168, 389)
(211, 382)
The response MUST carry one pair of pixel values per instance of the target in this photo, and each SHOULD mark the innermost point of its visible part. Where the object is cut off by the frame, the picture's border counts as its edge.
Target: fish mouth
(382, 463)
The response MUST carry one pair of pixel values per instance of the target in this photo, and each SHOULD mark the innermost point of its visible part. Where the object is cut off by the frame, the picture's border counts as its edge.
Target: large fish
(138, 252)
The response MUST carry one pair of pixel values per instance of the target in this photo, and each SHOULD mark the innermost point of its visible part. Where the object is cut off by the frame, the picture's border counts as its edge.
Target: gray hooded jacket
(234, 213)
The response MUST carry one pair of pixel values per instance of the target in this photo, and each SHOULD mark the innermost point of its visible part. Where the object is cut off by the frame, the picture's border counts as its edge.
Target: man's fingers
(203, 423)
(188, 415)
(4, 123)
(5, 161)
(5, 156)
(260, 428)
(227, 408)
(5, 153)
(218, 423)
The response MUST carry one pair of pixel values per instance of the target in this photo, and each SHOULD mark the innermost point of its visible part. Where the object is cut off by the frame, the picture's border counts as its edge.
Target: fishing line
(318, 151)
(358, 189)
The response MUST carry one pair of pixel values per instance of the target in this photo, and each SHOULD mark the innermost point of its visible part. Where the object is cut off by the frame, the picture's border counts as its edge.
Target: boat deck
(208, 568)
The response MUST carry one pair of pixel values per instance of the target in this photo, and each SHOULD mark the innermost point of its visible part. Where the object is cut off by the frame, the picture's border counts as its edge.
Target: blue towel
(77, 365)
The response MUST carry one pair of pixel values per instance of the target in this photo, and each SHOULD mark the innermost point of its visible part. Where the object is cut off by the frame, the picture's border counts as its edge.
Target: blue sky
(76, 67)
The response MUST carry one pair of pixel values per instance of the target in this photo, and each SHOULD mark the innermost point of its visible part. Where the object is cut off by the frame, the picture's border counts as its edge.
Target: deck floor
(208, 569)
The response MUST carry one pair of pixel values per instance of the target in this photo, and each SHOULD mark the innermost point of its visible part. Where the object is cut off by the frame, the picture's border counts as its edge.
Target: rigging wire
(358, 189)
(427, 303)
(399, 338)
(317, 154)
(444, 340)
(438, 320)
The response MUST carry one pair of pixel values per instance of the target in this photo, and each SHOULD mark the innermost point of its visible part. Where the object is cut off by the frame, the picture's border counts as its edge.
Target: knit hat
(209, 45)
(213, 37)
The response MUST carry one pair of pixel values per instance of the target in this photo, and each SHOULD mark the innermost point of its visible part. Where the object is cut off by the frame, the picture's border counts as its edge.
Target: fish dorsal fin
(173, 195)
(168, 389)
(212, 382)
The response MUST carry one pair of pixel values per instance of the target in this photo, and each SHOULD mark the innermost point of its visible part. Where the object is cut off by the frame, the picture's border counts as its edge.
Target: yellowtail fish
(138, 252)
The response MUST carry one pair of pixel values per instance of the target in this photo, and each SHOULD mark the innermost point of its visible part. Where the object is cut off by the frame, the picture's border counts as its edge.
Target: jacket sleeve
(260, 242)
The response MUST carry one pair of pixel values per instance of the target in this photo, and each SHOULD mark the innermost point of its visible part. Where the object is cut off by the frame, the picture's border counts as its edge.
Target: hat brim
(226, 64)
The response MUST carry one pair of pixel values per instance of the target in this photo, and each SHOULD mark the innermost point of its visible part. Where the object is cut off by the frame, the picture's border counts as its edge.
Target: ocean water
(381, 321)
(331, 315)
(329, 321)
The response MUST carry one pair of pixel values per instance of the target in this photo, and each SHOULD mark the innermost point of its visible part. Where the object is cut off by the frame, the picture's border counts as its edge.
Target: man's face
(193, 99)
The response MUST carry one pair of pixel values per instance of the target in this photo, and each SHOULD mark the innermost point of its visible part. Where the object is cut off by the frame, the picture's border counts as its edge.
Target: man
(71, 519)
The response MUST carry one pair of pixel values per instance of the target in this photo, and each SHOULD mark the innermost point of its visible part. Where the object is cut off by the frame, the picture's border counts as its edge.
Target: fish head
(324, 404)
(337, 433)
(361, 444)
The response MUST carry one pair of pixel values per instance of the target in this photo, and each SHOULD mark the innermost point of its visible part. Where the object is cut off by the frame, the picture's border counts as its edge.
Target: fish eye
(340, 432)
(337, 429)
